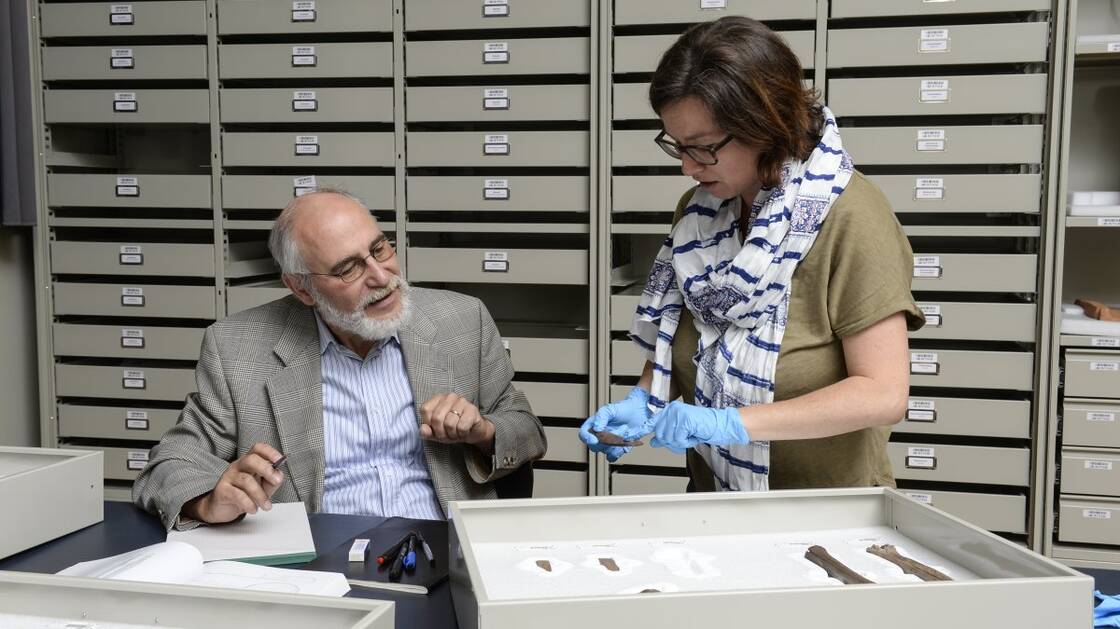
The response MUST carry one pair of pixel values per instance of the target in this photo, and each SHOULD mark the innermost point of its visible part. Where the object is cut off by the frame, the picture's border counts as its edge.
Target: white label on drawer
(495, 189)
(132, 337)
(921, 405)
(495, 98)
(495, 92)
(495, 144)
(497, 138)
(929, 194)
(920, 452)
(118, 9)
(303, 185)
(307, 145)
(928, 34)
(495, 262)
(120, 58)
(923, 357)
(505, 344)
(136, 420)
(1100, 416)
(927, 271)
(933, 321)
(495, 8)
(1101, 466)
(924, 368)
(133, 379)
(303, 11)
(921, 462)
(931, 134)
(1105, 341)
(125, 101)
(1112, 46)
(131, 254)
(303, 55)
(136, 414)
(497, 256)
(935, 84)
(1096, 514)
(713, 4)
(1098, 365)
(929, 182)
(927, 260)
(921, 416)
(495, 183)
(128, 187)
(933, 45)
(1108, 221)
(926, 499)
(304, 101)
(930, 146)
(930, 309)
(137, 465)
(120, 14)
(934, 96)
(132, 296)
(137, 455)
(495, 52)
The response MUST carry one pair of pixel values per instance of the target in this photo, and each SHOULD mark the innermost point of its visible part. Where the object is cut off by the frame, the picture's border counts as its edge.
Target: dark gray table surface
(126, 528)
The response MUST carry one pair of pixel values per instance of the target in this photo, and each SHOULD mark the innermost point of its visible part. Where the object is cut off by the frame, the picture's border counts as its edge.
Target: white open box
(48, 493)
(91, 603)
(1006, 585)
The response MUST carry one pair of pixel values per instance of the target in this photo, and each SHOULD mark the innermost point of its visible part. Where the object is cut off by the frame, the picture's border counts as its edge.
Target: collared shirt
(374, 459)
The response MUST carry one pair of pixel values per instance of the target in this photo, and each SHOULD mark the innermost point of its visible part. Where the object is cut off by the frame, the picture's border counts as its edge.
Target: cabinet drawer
(881, 8)
(519, 266)
(174, 191)
(248, 296)
(977, 321)
(515, 149)
(623, 308)
(139, 106)
(1089, 521)
(498, 57)
(636, 148)
(936, 96)
(1090, 472)
(967, 417)
(330, 104)
(521, 194)
(112, 422)
(564, 445)
(972, 369)
(499, 103)
(640, 484)
(304, 61)
(439, 15)
(1091, 423)
(105, 63)
(626, 358)
(1022, 42)
(134, 300)
(962, 193)
(970, 272)
(120, 463)
(960, 464)
(559, 483)
(251, 17)
(332, 148)
(1007, 144)
(994, 512)
(96, 19)
(641, 53)
(126, 383)
(127, 341)
(119, 258)
(676, 12)
(1092, 374)
(533, 351)
(556, 399)
(636, 193)
(273, 192)
(631, 102)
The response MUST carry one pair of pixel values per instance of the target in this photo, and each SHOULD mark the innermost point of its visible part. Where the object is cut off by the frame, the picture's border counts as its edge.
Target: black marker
(427, 549)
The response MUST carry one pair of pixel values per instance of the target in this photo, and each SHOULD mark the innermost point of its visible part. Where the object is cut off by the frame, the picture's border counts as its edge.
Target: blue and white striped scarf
(738, 294)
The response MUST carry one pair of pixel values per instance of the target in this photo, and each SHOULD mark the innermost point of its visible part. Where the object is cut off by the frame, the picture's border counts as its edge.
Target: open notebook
(181, 564)
(281, 535)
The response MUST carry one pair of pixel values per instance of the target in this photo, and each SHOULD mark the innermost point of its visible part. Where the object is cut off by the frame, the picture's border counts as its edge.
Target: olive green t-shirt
(856, 274)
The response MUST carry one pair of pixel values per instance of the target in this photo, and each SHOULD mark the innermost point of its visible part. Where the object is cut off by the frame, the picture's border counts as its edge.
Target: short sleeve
(871, 262)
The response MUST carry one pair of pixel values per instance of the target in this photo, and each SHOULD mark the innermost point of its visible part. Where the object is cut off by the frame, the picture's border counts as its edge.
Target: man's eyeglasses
(704, 154)
(354, 267)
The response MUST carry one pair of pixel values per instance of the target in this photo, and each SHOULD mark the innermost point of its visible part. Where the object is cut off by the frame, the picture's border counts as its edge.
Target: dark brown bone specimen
(611, 439)
(908, 565)
(608, 563)
(833, 567)
(544, 564)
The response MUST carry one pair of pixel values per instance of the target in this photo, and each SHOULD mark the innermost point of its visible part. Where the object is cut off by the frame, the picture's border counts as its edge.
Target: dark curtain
(17, 165)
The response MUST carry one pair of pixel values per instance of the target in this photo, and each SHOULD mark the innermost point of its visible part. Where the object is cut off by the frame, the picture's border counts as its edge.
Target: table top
(126, 528)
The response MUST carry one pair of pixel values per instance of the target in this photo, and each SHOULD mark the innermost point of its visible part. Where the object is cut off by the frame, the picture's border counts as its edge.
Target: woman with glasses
(777, 310)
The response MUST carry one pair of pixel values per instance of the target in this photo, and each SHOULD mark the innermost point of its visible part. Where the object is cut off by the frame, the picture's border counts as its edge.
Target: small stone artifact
(544, 564)
(608, 563)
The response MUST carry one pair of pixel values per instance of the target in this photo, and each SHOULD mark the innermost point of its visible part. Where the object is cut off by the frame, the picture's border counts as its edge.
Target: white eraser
(359, 549)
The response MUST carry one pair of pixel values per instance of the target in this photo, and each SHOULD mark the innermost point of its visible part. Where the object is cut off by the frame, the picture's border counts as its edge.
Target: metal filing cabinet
(949, 114)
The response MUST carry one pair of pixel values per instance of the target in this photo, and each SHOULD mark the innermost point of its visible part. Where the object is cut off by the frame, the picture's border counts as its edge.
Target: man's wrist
(485, 441)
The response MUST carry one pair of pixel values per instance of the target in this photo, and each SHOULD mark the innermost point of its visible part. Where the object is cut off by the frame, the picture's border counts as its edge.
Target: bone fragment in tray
(835, 569)
(608, 563)
(908, 565)
(545, 565)
(611, 439)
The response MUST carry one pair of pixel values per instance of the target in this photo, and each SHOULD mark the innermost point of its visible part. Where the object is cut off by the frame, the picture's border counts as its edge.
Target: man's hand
(246, 485)
(450, 418)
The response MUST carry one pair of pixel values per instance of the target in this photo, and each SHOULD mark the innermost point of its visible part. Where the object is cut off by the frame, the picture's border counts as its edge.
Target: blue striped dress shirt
(375, 462)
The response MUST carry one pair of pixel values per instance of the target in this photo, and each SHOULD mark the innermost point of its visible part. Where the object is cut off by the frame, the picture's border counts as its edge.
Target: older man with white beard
(357, 393)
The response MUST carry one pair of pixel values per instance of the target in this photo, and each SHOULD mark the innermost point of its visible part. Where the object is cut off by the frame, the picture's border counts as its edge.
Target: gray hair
(282, 243)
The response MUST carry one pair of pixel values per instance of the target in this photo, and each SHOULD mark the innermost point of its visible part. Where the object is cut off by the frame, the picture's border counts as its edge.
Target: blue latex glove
(627, 419)
(681, 426)
(1107, 612)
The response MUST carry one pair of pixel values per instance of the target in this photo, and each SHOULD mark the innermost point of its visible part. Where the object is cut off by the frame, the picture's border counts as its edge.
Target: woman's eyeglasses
(704, 154)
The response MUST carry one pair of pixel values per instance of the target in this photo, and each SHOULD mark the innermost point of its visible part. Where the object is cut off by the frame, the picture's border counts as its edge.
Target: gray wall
(19, 406)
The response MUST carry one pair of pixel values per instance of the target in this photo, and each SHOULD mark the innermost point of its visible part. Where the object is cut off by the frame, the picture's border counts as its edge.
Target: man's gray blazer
(259, 380)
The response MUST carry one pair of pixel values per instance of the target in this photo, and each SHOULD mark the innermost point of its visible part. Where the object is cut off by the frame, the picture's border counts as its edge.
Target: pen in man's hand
(278, 462)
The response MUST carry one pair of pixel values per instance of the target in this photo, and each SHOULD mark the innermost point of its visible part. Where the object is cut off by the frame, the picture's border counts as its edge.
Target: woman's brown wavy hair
(750, 81)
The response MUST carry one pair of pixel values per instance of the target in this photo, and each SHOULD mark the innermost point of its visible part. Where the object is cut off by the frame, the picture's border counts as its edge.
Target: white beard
(356, 322)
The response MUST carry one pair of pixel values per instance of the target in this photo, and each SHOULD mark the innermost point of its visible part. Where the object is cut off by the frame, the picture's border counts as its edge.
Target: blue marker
(410, 556)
